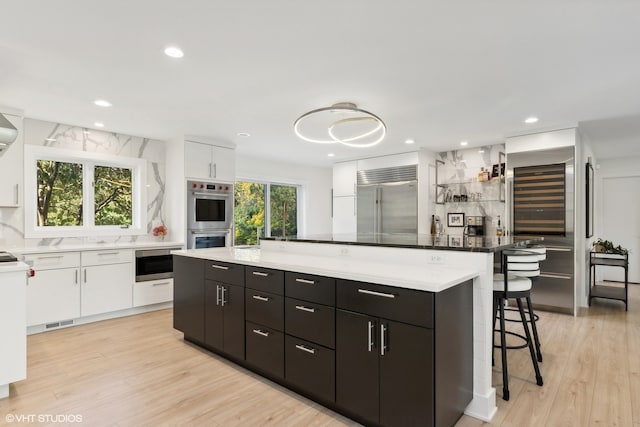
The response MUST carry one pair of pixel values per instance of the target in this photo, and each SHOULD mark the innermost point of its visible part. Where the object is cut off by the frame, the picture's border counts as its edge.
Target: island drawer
(265, 279)
(310, 367)
(404, 305)
(265, 349)
(224, 272)
(310, 321)
(265, 308)
(311, 288)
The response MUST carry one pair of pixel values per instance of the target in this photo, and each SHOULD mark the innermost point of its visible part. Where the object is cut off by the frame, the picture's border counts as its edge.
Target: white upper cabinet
(403, 159)
(345, 179)
(11, 166)
(210, 162)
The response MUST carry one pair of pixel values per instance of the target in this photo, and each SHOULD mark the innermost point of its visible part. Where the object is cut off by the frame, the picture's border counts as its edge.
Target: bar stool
(513, 283)
(541, 252)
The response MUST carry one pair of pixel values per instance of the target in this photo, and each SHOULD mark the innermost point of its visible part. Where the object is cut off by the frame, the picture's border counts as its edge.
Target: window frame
(33, 153)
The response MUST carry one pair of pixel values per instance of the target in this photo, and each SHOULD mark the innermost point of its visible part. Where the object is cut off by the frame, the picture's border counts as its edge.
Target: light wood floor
(137, 371)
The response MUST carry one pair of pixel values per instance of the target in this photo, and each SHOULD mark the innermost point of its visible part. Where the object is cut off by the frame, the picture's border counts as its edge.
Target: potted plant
(607, 247)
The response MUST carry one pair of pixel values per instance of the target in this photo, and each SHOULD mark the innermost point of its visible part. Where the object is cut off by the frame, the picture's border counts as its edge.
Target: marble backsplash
(462, 191)
(38, 132)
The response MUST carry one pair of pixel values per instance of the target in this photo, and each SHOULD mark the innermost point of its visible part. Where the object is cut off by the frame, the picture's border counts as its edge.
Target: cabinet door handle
(50, 257)
(76, 280)
(215, 170)
(220, 267)
(85, 275)
(259, 332)
(210, 164)
(224, 291)
(107, 253)
(383, 345)
(370, 336)
(17, 194)
(308, 282)
(217, 294)
(161, 284)
(303, 308)
(307, 349)
(377, 294)
(261, 274)
(260, 298)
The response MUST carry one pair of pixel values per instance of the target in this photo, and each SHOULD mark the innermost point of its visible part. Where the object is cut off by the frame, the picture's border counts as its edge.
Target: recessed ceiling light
(102, 103)
(244, 134)
(50, 139)
(463, 143)
(531, 120)
(174, 52)
(480, 151)
(330, 155)
(410, 141)
(98, 125)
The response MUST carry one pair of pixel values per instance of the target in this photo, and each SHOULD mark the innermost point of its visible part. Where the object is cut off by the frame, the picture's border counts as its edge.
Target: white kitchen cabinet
(345, 179)
(395, 160)
(106, 286)
(152, 292)
(206, 161)
(344, 215)
(13, 356)
(11, 168)
(53, 294)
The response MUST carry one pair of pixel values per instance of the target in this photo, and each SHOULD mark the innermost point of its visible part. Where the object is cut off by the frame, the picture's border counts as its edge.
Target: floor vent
(58, 324)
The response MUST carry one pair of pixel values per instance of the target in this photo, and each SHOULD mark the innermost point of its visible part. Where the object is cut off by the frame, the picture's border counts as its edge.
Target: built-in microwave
(209, 206)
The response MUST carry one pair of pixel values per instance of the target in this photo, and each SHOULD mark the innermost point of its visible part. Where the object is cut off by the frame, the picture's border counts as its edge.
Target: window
(264, 209)
(77, 193)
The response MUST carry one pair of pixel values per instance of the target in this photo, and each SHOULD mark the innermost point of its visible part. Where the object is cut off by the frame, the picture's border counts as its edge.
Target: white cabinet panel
(48, 261)
(344, 179)
(53, 295)
(394, 160)
(344, 215)
(198, 163)
(107, 256)
(204, 161)
(152, 292)
(13, 356)
(11, 168)
(106, 288)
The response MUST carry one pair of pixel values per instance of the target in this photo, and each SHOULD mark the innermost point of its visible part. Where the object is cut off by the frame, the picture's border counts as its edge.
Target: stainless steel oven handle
(212, 196)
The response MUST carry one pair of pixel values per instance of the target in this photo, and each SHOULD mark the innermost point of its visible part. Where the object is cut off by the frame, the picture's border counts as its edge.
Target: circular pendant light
(342, 123)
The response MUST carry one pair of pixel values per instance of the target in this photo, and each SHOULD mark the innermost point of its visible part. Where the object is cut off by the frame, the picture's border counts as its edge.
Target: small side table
(604, 291)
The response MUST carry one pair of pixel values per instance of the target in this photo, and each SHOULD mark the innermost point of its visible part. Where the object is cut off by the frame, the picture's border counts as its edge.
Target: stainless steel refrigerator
(387, 200)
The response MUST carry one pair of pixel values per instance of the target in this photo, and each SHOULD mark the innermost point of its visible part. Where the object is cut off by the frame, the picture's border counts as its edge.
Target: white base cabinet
(152, 292)
(107, 281)
(13, 356)
(53, 295)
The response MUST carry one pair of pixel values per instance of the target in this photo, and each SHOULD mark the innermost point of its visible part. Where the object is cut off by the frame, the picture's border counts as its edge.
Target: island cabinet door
(213, 315)
(233, 328)
(357, 365)
(406, 374)
(188, 296)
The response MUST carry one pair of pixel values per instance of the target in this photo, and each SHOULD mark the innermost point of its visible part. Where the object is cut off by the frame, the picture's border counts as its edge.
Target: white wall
(316, 185)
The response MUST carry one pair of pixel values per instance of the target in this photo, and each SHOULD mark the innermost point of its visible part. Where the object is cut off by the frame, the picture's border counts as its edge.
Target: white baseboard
(483, 407)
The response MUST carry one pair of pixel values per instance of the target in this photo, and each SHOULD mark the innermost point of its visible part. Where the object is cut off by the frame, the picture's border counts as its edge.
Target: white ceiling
(436, 71)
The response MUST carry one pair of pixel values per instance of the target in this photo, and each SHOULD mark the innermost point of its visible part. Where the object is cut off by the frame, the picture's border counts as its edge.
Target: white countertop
(93, 246)
(424, 277)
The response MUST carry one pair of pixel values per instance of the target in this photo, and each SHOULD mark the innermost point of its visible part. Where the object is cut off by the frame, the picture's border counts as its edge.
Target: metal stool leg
(536, 340)
(503, 348)
(493, 335)
(530, 342)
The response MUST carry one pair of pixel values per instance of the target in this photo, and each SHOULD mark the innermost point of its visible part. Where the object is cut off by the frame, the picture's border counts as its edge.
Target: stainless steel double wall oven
(209, 214)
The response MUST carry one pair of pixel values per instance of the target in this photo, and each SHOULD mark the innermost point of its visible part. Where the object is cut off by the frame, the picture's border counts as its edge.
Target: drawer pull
(50, 257)
(108, 253)
(220, 267)
(308, 282)
(262, 333)
(383, 345)
(261, 274)
(260, 298)
(303, 308)
(377, 294)
(307, 349)
(161, 284)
